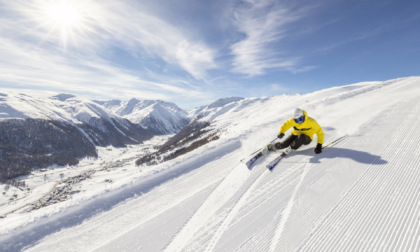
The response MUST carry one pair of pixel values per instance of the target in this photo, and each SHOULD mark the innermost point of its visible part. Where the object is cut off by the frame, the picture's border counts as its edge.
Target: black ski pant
(294, 142)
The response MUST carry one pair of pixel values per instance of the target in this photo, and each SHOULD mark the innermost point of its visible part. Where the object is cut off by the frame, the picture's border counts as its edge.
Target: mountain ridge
(28, 121)
(156, 115)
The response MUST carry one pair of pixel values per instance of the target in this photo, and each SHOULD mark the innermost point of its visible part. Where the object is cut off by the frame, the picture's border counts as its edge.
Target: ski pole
(242, 160)
(255, 152)
(335, 141)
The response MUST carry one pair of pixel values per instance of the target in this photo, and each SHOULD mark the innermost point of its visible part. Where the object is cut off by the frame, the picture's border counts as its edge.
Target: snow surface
(362, 194)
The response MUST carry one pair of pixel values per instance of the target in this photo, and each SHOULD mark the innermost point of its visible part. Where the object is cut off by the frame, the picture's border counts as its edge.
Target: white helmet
(297, 113)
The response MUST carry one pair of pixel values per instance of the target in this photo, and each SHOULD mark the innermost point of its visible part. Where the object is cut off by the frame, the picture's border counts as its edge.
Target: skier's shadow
(358, 156)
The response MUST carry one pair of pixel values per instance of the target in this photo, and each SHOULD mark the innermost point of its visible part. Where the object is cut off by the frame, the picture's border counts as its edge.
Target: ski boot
(268, 148)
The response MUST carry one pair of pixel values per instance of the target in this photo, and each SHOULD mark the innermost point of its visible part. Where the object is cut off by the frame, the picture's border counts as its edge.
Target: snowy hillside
(158, 116)
(361, 194)
(62, 107)
(215, 106)
(38, 132)
(200, 131)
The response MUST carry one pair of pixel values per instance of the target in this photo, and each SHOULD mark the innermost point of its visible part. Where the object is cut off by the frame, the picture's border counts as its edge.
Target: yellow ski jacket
(309, 127)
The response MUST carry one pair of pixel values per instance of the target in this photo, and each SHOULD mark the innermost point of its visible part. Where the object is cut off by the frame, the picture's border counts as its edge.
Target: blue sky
(193, 52)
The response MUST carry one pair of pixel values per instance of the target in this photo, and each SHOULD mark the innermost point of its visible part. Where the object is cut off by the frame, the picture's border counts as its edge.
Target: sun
(66, 21)
(63, 14)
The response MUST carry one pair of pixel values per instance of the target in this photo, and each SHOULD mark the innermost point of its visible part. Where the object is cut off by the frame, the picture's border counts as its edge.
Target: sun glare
(66, 21)
(63, 14)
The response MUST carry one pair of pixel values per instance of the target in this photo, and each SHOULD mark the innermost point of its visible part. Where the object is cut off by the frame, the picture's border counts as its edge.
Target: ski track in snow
(387, 214)
(278, 184)
(243, 197)
(357, 234)
(76, 215)
(286, 212)
(234, 211)
(220, 195)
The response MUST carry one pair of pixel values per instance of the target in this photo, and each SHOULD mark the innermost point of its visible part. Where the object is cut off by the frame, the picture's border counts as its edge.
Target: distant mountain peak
(156, 115)
(62, 97)
(223, 101)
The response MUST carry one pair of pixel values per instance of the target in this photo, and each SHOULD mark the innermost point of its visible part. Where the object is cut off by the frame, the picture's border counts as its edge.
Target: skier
(304, 128)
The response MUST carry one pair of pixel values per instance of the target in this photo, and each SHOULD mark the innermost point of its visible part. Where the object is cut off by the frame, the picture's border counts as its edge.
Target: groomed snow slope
(362, 194)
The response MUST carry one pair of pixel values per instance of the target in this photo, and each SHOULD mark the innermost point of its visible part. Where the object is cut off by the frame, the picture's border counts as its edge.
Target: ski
(253, 159)
(257, 154)
(273, 163)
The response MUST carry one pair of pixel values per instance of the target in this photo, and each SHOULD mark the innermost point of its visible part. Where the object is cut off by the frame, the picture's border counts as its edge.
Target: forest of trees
(31, 143)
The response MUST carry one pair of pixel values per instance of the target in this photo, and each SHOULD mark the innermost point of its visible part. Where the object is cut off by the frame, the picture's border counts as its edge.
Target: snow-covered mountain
(158, 116)
(197, 133)
(64, 108)
(361, 194)
(213, 107)
(39, 132)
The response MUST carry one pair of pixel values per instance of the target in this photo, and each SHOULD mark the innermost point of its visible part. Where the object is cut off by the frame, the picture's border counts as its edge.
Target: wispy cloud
(125, 24)
(39, 52)
(265, 24)
(145, 33)
(38, 68)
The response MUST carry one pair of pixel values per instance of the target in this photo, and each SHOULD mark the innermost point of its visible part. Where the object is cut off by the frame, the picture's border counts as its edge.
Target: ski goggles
(300, 119)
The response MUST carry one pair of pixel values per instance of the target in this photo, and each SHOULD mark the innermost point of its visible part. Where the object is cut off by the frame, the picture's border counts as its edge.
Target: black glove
(318, 148)
(281, 135)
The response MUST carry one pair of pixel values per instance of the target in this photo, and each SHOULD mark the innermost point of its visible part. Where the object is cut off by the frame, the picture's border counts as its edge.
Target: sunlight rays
(64, 21)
